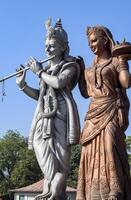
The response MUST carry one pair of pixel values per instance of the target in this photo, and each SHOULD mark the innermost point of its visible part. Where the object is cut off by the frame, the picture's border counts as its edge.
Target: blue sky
(22, 34)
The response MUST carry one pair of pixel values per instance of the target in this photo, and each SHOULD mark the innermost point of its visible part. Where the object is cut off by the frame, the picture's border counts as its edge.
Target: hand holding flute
(35, 66)
(22, 69)
(20, 77)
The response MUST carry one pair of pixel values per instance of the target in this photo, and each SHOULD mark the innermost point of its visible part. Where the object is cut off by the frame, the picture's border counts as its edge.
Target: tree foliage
(128, 145)
(74, 165)
(18, 165)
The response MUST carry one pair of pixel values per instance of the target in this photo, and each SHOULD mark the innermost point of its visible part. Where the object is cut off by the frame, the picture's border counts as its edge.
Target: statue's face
(96, 44)
(52, 47)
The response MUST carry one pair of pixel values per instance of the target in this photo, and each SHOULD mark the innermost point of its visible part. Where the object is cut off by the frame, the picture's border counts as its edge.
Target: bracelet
(39, 73)
(23, 87)
(122, 60)
(124, 64)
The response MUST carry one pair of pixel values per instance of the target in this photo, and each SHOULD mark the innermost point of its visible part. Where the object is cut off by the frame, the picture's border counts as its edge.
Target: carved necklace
(98, 77)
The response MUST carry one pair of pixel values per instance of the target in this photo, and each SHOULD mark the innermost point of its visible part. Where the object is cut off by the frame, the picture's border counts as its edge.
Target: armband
(39, 73)
(23, 87)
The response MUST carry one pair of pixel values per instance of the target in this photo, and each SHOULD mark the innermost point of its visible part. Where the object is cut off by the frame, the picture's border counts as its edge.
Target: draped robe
(104, 169)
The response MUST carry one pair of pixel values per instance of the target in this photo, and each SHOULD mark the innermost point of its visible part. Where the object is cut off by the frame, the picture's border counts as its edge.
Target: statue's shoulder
(74, 71)
(71, 63)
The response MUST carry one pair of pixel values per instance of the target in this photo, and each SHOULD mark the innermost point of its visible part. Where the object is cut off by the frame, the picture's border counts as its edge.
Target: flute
(24, 69)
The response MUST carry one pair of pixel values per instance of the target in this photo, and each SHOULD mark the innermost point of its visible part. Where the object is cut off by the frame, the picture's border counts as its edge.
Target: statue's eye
(95, 40)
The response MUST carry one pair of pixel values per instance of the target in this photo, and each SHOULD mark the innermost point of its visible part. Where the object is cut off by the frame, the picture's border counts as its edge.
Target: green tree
(18, 165)
(74, 165)
(128, 145)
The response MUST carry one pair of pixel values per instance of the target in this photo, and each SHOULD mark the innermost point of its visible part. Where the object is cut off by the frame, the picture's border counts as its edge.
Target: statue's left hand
(34, 65)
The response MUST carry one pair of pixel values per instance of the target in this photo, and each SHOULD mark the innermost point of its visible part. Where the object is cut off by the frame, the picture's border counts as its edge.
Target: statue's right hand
(80, 61)
(20, 78)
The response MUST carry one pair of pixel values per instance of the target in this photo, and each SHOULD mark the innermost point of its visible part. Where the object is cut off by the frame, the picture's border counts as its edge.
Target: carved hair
(58, 33)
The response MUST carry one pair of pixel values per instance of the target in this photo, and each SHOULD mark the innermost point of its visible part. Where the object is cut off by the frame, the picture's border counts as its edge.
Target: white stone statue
(55, 124)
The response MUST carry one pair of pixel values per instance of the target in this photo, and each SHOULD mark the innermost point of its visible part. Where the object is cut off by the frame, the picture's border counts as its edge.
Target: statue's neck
(101, 59)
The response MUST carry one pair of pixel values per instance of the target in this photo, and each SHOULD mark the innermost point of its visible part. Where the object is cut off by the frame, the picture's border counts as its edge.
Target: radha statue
(104, 172)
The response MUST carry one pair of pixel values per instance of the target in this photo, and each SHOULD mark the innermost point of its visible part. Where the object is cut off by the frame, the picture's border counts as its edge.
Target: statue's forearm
(59, 81)
(53, 81)
(31, 92)
(124, 74)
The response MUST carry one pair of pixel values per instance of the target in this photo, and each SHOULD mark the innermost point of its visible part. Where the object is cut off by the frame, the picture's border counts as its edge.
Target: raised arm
(68, 74)
(124, 74)
(65, 78)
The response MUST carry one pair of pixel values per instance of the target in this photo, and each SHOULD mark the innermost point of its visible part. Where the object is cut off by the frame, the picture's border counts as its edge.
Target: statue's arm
(82, 81)
(82, 84)
(31, 92)
(125, 79)
(124, 74)
(62, 80)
